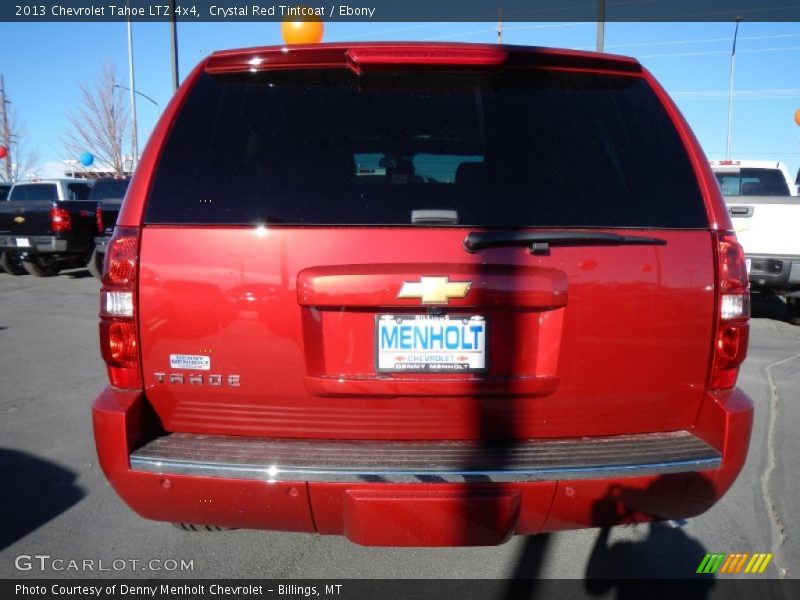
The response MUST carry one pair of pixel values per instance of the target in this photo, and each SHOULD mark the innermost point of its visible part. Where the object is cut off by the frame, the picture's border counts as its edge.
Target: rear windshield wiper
(540, 242)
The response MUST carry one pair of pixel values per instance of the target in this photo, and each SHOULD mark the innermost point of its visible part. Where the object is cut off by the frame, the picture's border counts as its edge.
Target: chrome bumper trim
(275, 460)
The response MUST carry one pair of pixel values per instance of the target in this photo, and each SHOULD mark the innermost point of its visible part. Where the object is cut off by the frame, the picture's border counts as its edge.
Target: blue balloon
(86, 158)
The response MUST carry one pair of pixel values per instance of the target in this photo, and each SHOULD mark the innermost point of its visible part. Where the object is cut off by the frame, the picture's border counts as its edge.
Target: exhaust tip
(676, 523)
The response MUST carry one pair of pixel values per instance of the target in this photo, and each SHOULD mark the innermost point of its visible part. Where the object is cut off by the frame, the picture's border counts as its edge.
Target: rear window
(109, 189)
(512, 149)
(34, 191)
(78, 191)
(753, 182)
(4, 189)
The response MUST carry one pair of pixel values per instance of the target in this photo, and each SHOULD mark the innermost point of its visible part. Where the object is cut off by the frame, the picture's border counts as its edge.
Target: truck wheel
(12, 263)
(41, 269)
(793, 308)
(95, 265)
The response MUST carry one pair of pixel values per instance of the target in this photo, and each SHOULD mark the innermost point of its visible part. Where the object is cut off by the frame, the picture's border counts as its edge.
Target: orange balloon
(797, 116)
(302, 32)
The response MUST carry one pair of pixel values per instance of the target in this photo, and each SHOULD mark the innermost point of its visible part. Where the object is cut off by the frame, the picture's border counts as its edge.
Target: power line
(383, 32)
(742, 152)
(541, 26)
(718, 52)
(511, 28)
(768, 93)
(548, 26)
(707, 41)
(464, 34)
(719, 15)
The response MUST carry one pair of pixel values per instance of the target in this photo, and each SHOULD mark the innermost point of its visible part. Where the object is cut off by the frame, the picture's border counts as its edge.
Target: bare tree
(100, 124)
(20, 159)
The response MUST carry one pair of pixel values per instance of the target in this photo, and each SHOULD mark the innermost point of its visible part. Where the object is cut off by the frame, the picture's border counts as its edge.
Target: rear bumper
(36, 244)
(274, 460)
(419, 494)
(769, 271)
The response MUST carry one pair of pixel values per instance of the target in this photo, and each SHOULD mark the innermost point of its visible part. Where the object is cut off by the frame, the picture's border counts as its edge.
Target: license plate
(430, 343)
(747, 262)
(23, 243)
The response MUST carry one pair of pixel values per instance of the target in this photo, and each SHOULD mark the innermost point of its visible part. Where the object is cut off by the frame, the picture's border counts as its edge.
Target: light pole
(500, 25)
(730, 91)
(70, 164)
(601, 24)
(132, 80)
(173, 38)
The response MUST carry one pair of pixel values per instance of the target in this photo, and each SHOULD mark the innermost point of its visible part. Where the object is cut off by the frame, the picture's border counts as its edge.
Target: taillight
(733, 312)
(60, 221)
(119, 340)
(99, 216)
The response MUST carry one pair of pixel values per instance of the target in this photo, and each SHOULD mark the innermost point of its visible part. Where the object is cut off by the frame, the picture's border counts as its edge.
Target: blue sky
(43, 64)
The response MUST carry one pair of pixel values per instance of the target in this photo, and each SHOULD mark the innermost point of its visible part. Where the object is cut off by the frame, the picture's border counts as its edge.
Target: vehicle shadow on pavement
(34, 492)
(79, 274)
(769, 307)
(666, 553)
(524, 581)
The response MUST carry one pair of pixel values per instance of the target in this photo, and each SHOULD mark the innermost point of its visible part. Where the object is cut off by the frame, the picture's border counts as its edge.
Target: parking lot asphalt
(56, 502)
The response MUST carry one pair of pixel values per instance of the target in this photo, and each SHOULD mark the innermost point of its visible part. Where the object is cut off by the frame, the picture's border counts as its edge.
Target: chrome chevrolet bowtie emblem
(434, 290)
(19, 219)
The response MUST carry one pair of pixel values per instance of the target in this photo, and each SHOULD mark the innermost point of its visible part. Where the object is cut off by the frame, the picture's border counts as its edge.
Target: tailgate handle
(19, 211)
(741, 211)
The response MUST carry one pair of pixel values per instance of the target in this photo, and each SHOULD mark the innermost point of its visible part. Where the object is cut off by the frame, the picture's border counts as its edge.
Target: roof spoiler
(367, 57)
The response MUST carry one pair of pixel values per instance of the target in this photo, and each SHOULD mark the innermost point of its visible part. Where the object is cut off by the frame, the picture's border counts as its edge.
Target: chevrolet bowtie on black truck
(47, 225)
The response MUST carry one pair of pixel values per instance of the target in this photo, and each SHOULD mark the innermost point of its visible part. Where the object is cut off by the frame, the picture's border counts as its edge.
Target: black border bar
(704, 587)
(406, 10)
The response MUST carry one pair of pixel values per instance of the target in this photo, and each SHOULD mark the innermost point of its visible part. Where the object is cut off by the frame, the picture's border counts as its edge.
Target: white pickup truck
(765, 208)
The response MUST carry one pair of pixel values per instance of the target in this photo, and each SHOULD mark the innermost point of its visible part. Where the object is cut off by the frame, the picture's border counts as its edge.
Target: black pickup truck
(47, 225)
(108, 192)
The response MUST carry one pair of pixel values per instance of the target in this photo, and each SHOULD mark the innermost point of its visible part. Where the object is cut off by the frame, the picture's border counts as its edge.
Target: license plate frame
(22, 242)
(464, 360)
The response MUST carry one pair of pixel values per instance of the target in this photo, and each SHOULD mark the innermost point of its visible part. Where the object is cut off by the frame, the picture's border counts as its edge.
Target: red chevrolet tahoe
(422, 294)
